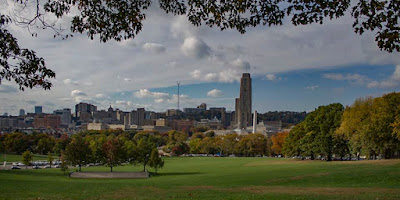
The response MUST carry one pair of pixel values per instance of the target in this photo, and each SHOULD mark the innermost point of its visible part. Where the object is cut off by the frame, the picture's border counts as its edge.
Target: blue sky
(299, 90)
(294, 68)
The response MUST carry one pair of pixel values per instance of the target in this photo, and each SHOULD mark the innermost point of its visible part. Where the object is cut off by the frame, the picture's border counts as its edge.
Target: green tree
(78, 152)
(45, 145)
(176, 137)
(208, 145)
(16, 143)
(64, 164)
(195, 145)
(355, 126)
(27, 158)
(50, 158)
(113, 152)
(292, 144)
(156, 161)
(198, 135)
(61, 144)
(143, 151)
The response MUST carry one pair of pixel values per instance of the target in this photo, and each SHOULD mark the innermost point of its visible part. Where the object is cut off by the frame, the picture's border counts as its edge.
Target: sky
(295, 68)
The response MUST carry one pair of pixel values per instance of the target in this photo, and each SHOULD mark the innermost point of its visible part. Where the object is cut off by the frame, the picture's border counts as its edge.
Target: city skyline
(293, 68)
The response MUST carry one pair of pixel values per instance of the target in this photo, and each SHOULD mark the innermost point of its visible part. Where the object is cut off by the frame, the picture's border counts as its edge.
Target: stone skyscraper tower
(243, 103)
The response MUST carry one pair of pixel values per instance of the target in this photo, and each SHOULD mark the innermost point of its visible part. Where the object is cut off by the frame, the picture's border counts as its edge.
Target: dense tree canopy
(123, 19)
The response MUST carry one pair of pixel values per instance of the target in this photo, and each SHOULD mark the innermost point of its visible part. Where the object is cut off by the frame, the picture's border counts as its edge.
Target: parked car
(57, 166)
(20, 165)
(35, 167)
(47, 166)
(15, 167)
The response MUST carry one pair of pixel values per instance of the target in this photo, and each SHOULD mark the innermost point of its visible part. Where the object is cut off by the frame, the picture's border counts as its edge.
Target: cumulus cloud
(145, 93)
(70, 82)
(242, 65)
(226, 76)
(312, 87)
(391, 82)
(80, 96)
(160, 97)
(154, 47)
(215, 93)
(193, 46)
(75, 93)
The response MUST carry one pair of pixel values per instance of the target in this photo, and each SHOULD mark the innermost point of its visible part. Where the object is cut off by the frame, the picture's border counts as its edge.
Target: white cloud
(242, 65)
(76, 93)
(145, 93)
(354, 78)
(127, 79)
(226, 76)
(70, 82)
(272, 77)
(154, 47)
(79, 96)
(215, 93)
(391, 82)
(123, 103)
(312, 87)
(193, 46)
(100, 96)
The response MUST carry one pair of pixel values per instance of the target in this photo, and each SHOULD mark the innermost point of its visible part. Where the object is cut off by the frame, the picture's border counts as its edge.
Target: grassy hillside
(218, 178)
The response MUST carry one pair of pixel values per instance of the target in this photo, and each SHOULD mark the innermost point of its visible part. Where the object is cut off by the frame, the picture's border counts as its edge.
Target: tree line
(369, 127)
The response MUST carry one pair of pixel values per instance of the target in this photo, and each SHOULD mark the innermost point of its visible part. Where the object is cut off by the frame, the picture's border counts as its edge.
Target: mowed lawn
(217, 178)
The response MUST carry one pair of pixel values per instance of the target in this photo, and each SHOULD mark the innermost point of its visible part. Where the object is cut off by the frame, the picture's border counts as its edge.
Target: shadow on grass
(176, 173)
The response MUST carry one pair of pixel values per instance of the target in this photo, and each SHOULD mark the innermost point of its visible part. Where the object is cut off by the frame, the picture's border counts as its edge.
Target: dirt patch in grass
(310, 175)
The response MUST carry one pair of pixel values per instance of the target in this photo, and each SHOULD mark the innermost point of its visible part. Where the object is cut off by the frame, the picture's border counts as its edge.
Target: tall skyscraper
(38, 110)
(243, 103)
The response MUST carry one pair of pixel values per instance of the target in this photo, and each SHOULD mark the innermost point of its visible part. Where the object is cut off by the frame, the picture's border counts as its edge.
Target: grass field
(18, 158)
(218, 178)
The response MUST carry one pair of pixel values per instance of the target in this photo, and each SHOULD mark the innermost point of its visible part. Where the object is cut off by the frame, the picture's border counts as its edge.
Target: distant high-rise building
(141, 116)
(84, 111)
(21, 112)
(65, 115)
(38, 110)
(243, 103)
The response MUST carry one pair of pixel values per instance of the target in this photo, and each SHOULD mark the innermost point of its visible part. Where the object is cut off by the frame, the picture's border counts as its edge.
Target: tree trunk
(80, 168)
(144, 167)
(111, 167)
(329, 157)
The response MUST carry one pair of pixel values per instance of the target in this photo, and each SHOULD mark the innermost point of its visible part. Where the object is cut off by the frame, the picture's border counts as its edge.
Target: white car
(47, 166)
(57, 166)
(35, 167)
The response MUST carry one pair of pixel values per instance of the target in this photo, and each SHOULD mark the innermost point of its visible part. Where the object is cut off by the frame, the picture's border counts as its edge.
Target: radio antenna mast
(178, 83)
